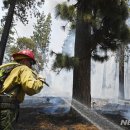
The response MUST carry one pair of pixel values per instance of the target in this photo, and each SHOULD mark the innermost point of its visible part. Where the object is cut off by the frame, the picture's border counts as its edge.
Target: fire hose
(42, 79)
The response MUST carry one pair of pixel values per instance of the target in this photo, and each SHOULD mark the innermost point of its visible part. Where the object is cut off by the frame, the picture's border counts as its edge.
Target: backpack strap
(9, 64)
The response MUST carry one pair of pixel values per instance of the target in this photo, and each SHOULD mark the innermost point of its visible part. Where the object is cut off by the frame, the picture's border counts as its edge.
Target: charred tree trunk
(6, 30)
(121, 72)
(82, 73)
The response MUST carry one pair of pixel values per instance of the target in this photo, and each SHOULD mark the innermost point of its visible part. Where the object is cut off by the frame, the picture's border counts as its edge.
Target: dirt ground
(31, 119)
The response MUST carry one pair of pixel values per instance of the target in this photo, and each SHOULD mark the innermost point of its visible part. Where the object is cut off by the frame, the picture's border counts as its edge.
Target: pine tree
(39, 42)
(41, 36)
(27, 43)
(100, 26)
(122, 56)
(121, 71)
(22, 43)
(19, 8)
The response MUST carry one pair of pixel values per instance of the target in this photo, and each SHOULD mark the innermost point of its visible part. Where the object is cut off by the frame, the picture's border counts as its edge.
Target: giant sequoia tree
(100, 26)
(19, 8)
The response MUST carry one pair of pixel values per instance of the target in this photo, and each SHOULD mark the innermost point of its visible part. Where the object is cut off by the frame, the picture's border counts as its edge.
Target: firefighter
(21, 80)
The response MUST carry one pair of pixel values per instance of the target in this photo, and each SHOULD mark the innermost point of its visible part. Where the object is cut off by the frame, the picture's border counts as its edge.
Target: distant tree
(39, 42)
(121, 71)
(122, 57)
(22, 43)
(41, 36)
(19, 8)
(100, 26)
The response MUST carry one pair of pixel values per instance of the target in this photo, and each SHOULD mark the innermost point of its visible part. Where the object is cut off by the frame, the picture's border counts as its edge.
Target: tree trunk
(121, 72)
(6, 29)
(82, 73)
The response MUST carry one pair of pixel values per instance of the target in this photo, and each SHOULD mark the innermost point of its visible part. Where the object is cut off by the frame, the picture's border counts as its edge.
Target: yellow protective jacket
(25, 79)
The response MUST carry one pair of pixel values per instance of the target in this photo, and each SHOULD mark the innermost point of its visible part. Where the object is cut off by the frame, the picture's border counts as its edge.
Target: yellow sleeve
(29, 82)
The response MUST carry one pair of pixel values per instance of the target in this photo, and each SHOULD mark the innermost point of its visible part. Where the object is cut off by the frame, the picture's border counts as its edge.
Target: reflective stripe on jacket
(27, 82)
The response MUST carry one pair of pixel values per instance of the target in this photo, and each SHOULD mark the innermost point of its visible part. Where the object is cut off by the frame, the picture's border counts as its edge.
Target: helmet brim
(21, 56)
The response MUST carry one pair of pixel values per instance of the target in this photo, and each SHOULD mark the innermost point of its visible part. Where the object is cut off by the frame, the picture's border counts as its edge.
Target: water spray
(99, 121)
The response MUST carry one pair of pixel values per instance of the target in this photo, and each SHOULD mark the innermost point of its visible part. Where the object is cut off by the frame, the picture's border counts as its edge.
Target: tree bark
(121, 72)
(82, 73)
(6, 29)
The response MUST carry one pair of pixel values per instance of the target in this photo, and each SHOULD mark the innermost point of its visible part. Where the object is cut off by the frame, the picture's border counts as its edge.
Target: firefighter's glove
(43, 80)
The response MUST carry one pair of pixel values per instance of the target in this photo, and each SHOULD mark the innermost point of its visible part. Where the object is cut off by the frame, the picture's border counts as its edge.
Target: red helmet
(24, 54)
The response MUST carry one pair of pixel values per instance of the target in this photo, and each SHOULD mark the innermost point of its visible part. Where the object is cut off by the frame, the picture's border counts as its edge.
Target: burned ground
(31, 119)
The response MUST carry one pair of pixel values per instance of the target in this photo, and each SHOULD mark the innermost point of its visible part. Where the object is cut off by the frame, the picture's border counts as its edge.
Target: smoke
(104, 77)
(68, 46)
(50, 5)
(60, 84)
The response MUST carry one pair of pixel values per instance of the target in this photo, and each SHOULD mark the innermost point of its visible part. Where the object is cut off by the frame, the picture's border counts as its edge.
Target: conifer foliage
(100, 26)
(39, 41)
(41, 37)
(19, 8)
(107, 20)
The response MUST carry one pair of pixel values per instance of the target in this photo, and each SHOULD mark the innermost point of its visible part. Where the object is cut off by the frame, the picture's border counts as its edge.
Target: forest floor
(32, 116)
(32, 119)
